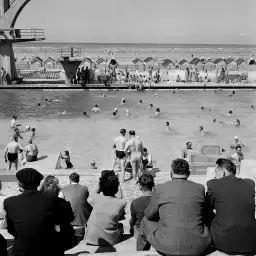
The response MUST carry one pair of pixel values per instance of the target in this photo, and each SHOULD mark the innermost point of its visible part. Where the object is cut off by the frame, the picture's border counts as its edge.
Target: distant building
(36, 63)
(49, 63)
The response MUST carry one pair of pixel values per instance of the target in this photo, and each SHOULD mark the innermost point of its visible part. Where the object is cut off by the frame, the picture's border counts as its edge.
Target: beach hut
(49, 63)
(184, 64)
(197, 63)
(24, 63)
(151, 62)
(87, 62)
(102, 64)
(36, 63)
(209, 65)
(220, 63)
(167, 64)
(138, 64)
(241, 64)
(231, 64)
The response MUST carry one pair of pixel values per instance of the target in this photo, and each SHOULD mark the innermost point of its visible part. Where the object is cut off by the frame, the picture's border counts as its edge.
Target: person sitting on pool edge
(66, 156)
(184, 152)
(146, 159)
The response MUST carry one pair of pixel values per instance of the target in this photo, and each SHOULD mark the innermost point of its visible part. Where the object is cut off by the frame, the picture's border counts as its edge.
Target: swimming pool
(91, 138)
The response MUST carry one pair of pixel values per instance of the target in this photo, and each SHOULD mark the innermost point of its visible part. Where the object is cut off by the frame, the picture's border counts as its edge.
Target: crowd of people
(177, 217)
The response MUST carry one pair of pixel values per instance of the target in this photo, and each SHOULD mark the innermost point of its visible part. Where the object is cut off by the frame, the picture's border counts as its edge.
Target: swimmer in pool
(85, 114)
(252, 106)
(47, 100)
(139, 103)
(202, 132)
(158, 112)
(204, 108)
(65, 111)
(167, 125)
(128, 113)
(104, 95)
(230, 113)
(235, 123)
(96, 109)
(123, 101)
(58, 100)
(38, 104)
(150, 106)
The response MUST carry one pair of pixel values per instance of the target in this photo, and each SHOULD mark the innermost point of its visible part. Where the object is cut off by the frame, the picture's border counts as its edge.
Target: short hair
(188, 143)
(132, 132)
(144, 149)
(238, 146)
(122, 131)
(109, 183)
(33, 129)
(14, 117)
(74, 177)
(51, 183)
(226, 164)
(180, 166)
(147, 181)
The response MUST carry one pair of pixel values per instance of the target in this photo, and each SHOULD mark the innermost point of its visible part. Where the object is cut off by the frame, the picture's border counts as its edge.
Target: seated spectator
(3, 223)
(103, 227)
(31, 151)
(36, 210)
(77, 195)
(66, 238)
(174, 219)
(146, 159)
(3, 246)
(184, 152)
(138, 206)
(233, 229)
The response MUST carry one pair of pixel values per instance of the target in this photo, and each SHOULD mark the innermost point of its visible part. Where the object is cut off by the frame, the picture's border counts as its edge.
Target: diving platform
(9, 12)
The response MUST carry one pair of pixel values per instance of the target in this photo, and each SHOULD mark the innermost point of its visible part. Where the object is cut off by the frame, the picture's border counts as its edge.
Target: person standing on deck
(119, 145)
(135, 146)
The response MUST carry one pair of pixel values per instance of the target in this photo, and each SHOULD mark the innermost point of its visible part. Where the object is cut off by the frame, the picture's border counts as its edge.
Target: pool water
(91, 138)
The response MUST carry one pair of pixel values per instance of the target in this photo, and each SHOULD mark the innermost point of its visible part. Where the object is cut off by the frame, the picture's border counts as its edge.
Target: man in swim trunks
(119, 145)
(96, 109)
(135, 146)
(11, 153)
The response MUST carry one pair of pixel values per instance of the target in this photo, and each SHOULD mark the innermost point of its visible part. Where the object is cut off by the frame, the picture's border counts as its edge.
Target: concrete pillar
(70, 67)
(7, 60)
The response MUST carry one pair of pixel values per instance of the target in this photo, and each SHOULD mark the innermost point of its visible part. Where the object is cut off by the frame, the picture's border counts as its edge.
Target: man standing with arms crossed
(119, 144)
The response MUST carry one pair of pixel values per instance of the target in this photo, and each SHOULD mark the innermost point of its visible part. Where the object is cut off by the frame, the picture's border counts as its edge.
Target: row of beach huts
(139, 64)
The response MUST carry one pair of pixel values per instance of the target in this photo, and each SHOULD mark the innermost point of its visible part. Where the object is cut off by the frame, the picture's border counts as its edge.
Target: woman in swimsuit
(31, 151)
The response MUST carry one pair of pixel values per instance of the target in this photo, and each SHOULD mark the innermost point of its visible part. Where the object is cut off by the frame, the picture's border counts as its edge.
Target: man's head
(180, 168)
(238, 149)
(189, 145)
(123, 132)
(146, 182)
(96, 106)
(225, 167)
(132, 133)
(29, 178)
(236, 139)
(74, 177)
(201, 128)
(14, 117)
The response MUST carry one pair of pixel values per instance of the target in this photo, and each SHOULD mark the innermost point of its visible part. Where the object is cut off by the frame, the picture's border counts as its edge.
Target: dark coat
(3, 246)
(31, 220)
(233, 229)
(180, 206)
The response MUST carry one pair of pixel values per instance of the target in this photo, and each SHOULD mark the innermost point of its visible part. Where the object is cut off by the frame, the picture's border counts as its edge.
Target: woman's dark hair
(147, 181)
(109, 183)
(226, 164)
(51, 183)
(180, 166)
(74, 177)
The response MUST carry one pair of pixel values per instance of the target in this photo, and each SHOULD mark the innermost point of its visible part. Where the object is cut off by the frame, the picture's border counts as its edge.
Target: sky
(143, 21)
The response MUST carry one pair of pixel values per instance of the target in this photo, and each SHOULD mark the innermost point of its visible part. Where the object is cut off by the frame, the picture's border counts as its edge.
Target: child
(67, 159)
(22, 158)
(93, 164)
